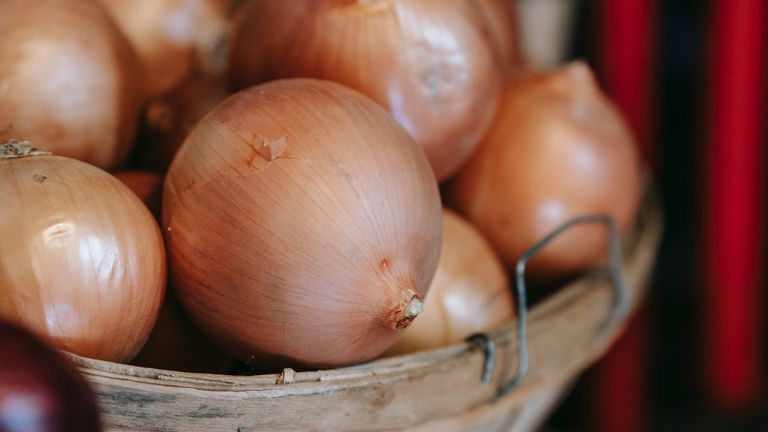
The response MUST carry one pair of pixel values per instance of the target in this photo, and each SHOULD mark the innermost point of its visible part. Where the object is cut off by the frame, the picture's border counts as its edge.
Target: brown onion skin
(168, 119)
(171, 37)
(558, 149)
(81, 258)
(40, 390)
(428, 61)
(68, 80)
(301, 220)
(469, 294)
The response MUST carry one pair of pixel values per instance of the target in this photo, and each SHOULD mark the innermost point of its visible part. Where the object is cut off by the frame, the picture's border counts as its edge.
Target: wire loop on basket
(619, 307)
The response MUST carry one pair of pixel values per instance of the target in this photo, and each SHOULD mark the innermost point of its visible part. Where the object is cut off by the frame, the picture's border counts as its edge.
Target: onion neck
(18, 149)
(407, 309)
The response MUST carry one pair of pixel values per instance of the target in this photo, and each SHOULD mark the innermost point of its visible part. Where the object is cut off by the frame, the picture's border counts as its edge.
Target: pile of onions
(469, 294)
(558, 149)
(172, 37)
(68, 80)
(175, 343)
(303, 225)
(81, 258)
(40, 391)
(432, 63)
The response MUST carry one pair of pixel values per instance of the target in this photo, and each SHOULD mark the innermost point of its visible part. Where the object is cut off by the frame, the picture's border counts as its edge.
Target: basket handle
(619, 307)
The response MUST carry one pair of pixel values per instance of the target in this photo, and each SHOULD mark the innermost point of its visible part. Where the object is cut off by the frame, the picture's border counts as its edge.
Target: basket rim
(639, 252)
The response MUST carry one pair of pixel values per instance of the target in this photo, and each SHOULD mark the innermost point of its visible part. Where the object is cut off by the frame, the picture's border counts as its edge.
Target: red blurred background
(691, 78)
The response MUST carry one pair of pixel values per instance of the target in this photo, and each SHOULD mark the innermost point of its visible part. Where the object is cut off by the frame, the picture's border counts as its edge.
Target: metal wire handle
(619, 307)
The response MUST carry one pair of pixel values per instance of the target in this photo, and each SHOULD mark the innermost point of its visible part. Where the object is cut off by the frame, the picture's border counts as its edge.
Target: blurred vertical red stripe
(733, 203)
(627, 63)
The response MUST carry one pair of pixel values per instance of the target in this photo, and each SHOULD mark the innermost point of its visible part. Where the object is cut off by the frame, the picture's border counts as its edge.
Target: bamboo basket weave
(436, 390)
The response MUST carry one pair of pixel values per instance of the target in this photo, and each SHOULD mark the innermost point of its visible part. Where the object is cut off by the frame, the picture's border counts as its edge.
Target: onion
(558, 149)
(172, 36)
(303, 225)
(469, 294)
(171, 117)
(40, 391)
(430, 62)
(81, 259)
(67, 80)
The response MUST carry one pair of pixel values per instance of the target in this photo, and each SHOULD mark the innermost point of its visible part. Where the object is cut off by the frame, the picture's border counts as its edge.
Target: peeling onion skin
(303, 224)
(558, 149)
(81, 258)
(40, 390)
(469, 294)
(68, 80)
(171, 37)
(429, 62)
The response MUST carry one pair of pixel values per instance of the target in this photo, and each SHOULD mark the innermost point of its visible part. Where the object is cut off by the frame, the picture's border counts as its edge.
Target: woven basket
(436, 390)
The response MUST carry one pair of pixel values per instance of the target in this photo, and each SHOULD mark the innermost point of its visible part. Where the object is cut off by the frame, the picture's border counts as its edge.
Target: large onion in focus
(430, 62)
(172, 37)
(81, 258)
(68, 80)
(40, 391)
(469, 294)
(558, 149)
(303, 225)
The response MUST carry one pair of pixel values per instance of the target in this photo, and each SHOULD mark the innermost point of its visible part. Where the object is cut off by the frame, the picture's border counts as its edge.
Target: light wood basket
(436, 390)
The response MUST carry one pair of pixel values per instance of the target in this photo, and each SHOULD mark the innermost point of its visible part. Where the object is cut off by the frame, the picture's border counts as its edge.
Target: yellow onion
(67, 80)
(469, 294)
(171, 37)
(558, 149)
(303, 225)
(81, 258)
(430, 62)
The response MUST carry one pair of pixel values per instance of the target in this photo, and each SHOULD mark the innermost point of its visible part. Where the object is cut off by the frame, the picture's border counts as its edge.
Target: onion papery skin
(429, 62)
(68, 80)
(558, 149)
(302, 222)
(469, 294)
(40, 390)
(81, 258)
(173, 38)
